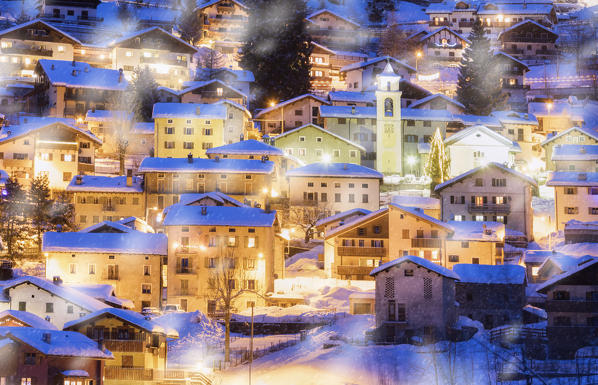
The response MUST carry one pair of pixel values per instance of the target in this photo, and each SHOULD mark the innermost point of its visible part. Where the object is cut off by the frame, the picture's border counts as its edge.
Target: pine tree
(377, 8)
(188, 23)
(478, 86)
(438, 163)
(40, 206)
(62, 214)
(394, 42)
(12, 208)
(277, 49)
(145, 93)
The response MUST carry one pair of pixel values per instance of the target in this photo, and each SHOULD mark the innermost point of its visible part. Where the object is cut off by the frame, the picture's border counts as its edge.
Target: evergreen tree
(40, 206)
(62, 214)
(479, 87)
(188, 22)
(377, 8)
(277, 49)
(395, 42)
(12, 207)
(145, 93)
(438, 164)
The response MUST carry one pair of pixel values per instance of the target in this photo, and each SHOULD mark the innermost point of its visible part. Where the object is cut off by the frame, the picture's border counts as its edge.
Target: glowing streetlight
(272, 103)
(418, 56)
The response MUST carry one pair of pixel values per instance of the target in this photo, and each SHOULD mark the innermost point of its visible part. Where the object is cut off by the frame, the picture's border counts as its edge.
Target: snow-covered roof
(143, 128)
(527, 21)
(543, 287)
(190, 198)
(128, 316)
(325, 132)
(351, 96)
(475, 120)
(236, 105)
(29, 319)
(516, 9)
(426, 203)
(209, 3)
(71, 295)
(132, 242)
(539, 256)
(75, 373)
(363, 295)
(434, 267)
(107, 115)
(591, 132)
(514, 117)
(432, 33)
(352, 112)
(490, 274)
(181, 215)
(575, 152)
(341, 215)
(316, 13)
(245, 147)
(362, 219)
(540, 313)
(9, 133)
(474, 171)
(105, 184)
(61, 343)
(189, 111)
(429, 115)
(203, 165)
(74, 74)
(335, 170)
(372, 61)
(289, 101)
(563, 262)
(201, 84)
(104, 293)
(240, 75)
(497, 52)
(35, 21)
(572, 178)
(135, 34)
(419, 213)
(477, 231)
(473, 130)
(574, 224)
(107, 227)
(425, 100)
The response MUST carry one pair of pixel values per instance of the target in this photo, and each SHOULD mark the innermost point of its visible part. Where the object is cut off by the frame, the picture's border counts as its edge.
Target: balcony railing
(432, 243)
(25, 163)
(436, 46)
(504, 208)
(362, 251)
(546, 52)
(524, 39)
(28, 51)
(124, 345)
(111, 277)
(164, 60)
(135, 374)
(353, 270)
(439, 23)
(572, 306)
(109, 208)
(185, 270)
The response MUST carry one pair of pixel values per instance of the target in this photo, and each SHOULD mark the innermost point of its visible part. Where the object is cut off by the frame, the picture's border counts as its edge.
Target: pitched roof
(591, 132)
(527, 21)
(571, 152)
(289, 101)
(74, 74)
(71, 295)
(201, 84)
(497, 52)
(190, 198)
(61, 343)
(342, 215)
(375, 60)
(105, 184)
(128, 316)
(419, 213)
(572, 178)
(347, 226)
(474, 171)
(104, 293)
(189, 111)
(246, 147)
(514, 117)
(426, 203)
(477, 231)
(352, 112)
(151, 29)
(9, 133)
(203, 165)
(434, 267)
(543, 287)
(319, 12)
(32, 22)
(351, 96)
(182, 215)
(107, 115)
(432, 33)
(212, 2)
(29, 319)
(326, 132)
(491, 133)
(490, 274)
(436, 96)
(131, 242)
(338, 170)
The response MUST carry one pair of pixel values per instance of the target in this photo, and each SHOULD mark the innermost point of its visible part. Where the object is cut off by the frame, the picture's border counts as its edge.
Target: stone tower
(388, 122)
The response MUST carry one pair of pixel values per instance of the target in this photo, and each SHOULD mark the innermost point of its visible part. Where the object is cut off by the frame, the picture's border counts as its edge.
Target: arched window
(388, 107)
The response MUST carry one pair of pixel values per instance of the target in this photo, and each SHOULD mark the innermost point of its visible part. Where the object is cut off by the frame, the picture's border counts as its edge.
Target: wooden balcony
(354, 270)
(35, 51)
(111, 277)
(572, 306)
(164, 60)
(24, 163)
(361, 251)
(439, 23)
(134, 374)
(124, 345)
(430, 243)
(494, 208)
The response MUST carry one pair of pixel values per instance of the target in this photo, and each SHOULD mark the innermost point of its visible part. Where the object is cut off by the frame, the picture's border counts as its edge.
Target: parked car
(172, 308)
(150, 311)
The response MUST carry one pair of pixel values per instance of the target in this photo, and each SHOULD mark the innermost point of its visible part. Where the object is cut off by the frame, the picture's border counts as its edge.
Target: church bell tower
(388, 122)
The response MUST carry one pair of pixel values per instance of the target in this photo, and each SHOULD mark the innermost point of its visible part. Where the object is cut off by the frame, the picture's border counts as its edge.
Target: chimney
(190, 158)
(52, 67)
(267, 207)
(120, 75)
(217, 159)
(101, 345)
(204, 210)
(79, 180)
(345, 167)
(129, 178)
(74, 63)
(56, 280)
(47, 338)
(353, 111)
(197, 110)
(74, 73)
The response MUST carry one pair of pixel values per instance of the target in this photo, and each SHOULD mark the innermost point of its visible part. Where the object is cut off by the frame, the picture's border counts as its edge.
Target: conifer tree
(188, 23)
(40, 206)
(478, 86)
(376, 9)
(438, 164)
(277, 49)
(145, 93)
(12, 206)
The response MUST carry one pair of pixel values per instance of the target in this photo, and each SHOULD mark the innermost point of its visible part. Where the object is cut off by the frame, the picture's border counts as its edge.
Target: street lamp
(418, 56)
(549, 106)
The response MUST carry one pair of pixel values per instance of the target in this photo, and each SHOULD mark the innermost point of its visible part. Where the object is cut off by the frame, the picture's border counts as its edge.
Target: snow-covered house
(332, 222)
(490, 193)
(109, 253)
(529, 41)
(444, 46)
(414, 297)
(475, 242)
(211, 91)
(288, 114)
(477, 146)
(203, 234)
(439, 102)
(326, 64)
(429, 205)
(165, 179)
(45, 357)
(139, 345)
(354, 248)
(522, 128)
(512, 72)
(493, 295)
(223, 24)
(106, 198)
(110, 126)
(573, 135)
(361, 76)
(83, 12)
(571, 306)
(71, 88)
(576, 196)
(581, 232)
(241, 80)
(331, 188)
(18, 318)
(334, 30)
(53, 147)
(575, 157)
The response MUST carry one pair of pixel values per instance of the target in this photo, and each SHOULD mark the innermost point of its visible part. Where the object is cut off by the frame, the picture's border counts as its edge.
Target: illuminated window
(92, 268)
(60, 48)
(15, 59)
(535, 270)
(219, 91)
(251, 242)
(232, 241)
(147, 54)
(82, 52)
(27, 60)
(68, 158)
(129, 54)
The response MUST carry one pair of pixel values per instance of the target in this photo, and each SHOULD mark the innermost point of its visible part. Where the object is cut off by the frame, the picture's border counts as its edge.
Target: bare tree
(123, 120)
(395, 42)
(307, 217)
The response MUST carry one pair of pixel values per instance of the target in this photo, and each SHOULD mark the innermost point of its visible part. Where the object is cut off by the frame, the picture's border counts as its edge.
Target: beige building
(334, 187)
(167, 178)
(112, 127)
(490, 193)
(334, 30)
(206, 234)
(573, 135)
(56, 148)
(106, 198)
(480, 243)
(352, 250)
(443, 46)
(110, 253)
(575, 157)
(223, 24)
(575, 196)
(292, 113)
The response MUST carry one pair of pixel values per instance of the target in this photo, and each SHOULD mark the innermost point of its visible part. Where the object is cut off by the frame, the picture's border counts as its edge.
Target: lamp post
(418, 56)
(548, 108)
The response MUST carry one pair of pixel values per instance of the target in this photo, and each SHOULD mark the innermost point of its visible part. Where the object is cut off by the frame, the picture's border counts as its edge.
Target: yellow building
(211, 230)
(187, 128)
(47, 146)
(109, 253)
(474, 242)
(106, 198)
(388, 122)
(576, 196)
(139, 345)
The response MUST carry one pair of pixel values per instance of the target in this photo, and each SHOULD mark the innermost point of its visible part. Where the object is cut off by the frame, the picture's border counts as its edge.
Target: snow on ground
(305, 264)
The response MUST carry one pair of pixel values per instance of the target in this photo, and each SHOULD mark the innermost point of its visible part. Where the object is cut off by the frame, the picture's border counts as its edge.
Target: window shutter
(62, 157)
(257, 244)
(485, 199)
(472, 199)
(190, 263)
(50, 156)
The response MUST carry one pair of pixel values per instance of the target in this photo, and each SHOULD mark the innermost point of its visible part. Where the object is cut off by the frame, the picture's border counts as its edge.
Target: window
(427, 288)
(30, 359)
(92, 268)
(49, 307)
(479, 182)
(147, 270)
(377, 230)
(401, 312)
(250, 284)
(188, 145)
(351, 185)
(561, 295)
(392, 310)
(298, 112)
(351, 198)
(319, 139)
(146, 288)
(337, 197)
(323, 197)
(169, 130)
(465, 245)
(23, 306)
(73, 268)
(453, 258)
(336, 153)
(405, 233)
(67, 176)
(188, 130)
(408, 272)
(388, 107)
(342, 120)
(207, 131)
(169, 144)
(571, 210)
(364, 198)
(499, 182)
(251, 242)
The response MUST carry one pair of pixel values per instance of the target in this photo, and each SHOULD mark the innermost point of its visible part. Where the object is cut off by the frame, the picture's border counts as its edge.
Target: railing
(108, 208)
(361, 251)
(354, 270)
(124, 345)
(513, 51)
(489, 208)
(546, 52)
(436, 46)
(184, 270)
(28, 51)
(572, 306)
(439, 23)
(466, 24)
(434, 243)
(515, 333)
(164, 60)
(524, 39)
(119, 373)
(111, 277)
